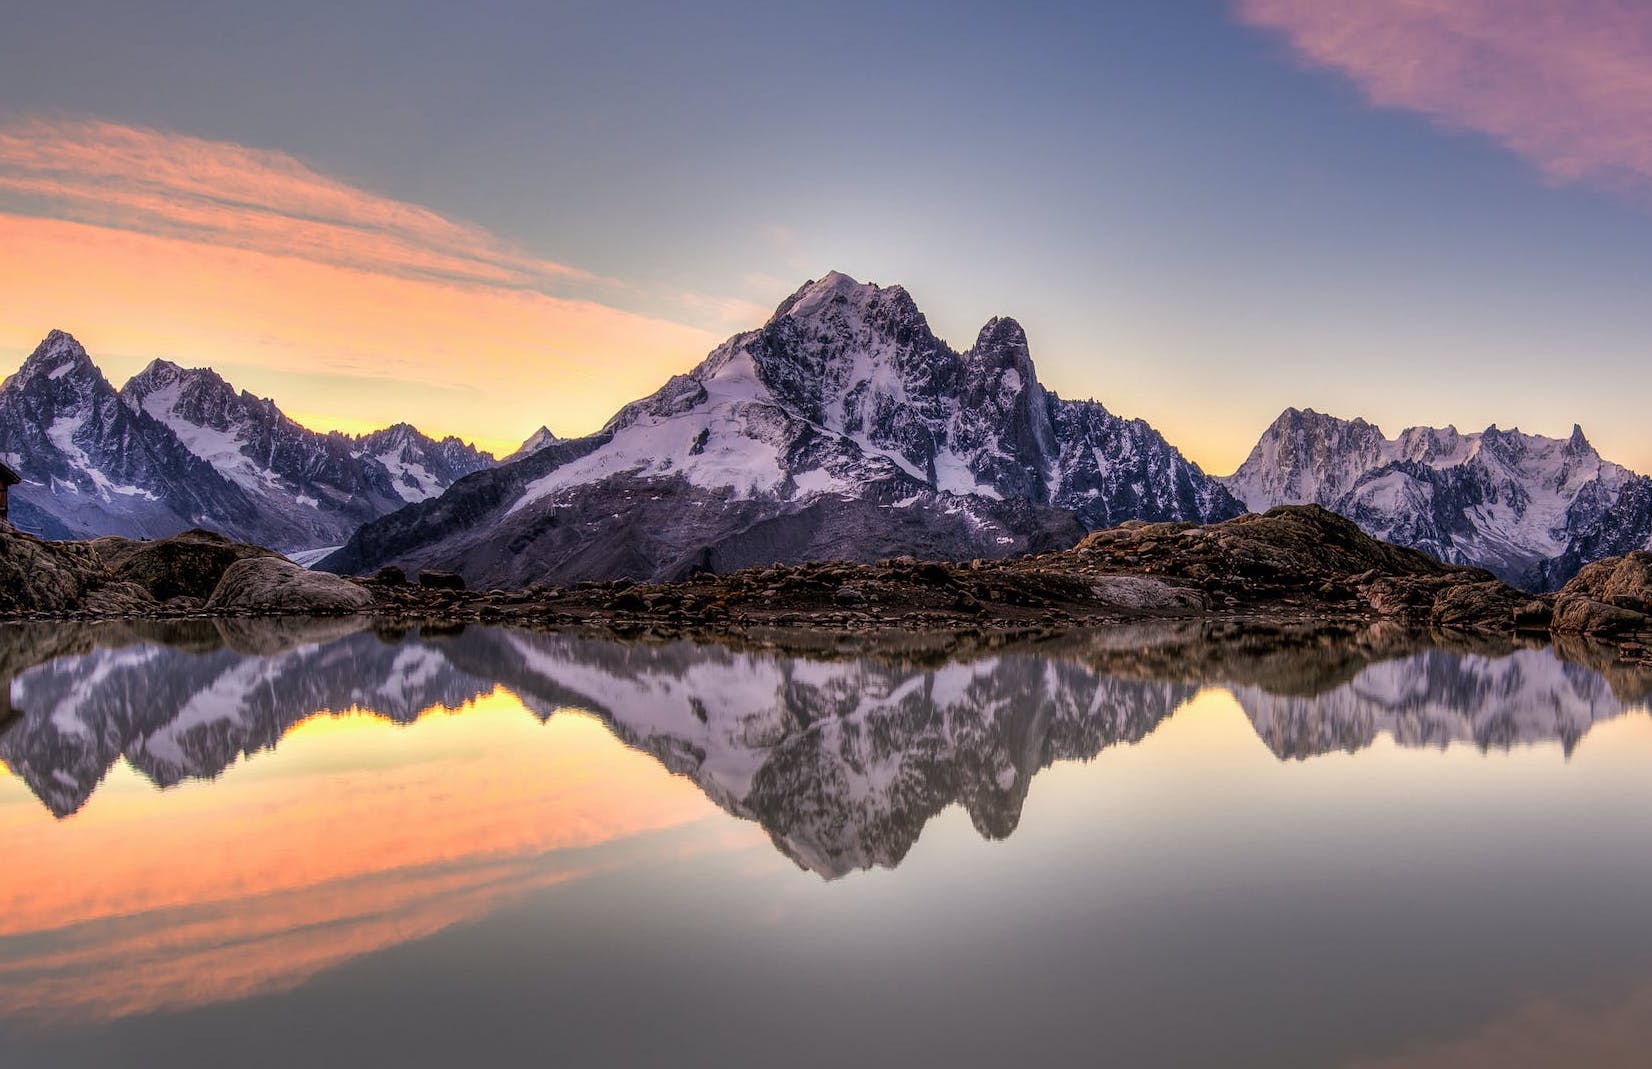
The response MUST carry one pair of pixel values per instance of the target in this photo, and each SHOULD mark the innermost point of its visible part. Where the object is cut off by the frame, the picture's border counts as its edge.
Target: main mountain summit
(842, 428)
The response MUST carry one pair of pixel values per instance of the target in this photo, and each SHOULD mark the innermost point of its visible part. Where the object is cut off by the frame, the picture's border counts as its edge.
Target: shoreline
(1300, 568)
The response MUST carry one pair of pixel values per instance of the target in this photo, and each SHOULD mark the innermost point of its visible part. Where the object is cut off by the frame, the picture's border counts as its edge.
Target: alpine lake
(318, 843)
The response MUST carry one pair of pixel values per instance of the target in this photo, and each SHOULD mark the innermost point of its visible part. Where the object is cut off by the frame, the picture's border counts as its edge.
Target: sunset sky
(488, 216)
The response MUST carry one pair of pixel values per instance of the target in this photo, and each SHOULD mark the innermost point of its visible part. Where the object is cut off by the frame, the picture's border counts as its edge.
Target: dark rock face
(843, 428)
(179, 448)
(1530, 509)
(1624, 527)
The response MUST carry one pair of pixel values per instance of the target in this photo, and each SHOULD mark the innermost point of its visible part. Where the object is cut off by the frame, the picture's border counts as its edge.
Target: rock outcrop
(1608, 597)
(47, 577)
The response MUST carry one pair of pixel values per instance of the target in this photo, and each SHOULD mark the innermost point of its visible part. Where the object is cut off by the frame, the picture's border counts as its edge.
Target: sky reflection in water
(1153, 848)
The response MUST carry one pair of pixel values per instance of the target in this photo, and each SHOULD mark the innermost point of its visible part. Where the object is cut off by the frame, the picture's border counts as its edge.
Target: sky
(484, 217)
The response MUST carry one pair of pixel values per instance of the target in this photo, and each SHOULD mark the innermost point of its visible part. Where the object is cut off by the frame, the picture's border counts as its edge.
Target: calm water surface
(315, 845)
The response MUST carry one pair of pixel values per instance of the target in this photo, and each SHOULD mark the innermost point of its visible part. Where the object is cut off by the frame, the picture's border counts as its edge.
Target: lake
(315, 843)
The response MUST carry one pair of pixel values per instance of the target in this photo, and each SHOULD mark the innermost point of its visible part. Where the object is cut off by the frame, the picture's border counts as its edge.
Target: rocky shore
(1293, 565)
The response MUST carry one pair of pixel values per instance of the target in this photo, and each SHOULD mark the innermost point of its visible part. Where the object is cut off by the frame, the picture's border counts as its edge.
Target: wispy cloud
(173, 185)
(153, 243)
(1567, 86)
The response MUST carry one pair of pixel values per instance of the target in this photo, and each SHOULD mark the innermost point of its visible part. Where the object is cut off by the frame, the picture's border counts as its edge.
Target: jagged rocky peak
(180, 447)
(395, 436)
(1307, 457)
(198, 396)
(533, 443)
(836, 290)
(419, 466)
(58, 355)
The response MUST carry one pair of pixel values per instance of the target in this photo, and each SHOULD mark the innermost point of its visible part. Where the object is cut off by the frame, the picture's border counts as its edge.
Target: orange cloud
(348, 346)
(172, 185)
(350, 307)
(1568, 87)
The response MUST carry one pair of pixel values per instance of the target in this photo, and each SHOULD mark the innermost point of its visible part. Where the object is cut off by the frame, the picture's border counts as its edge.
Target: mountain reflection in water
(219, 891)
(842, 760)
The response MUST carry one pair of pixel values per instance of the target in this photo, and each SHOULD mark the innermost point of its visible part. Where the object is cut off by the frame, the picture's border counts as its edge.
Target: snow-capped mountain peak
(419, 467)
(57, 357)
(843, 404)
(532, 444)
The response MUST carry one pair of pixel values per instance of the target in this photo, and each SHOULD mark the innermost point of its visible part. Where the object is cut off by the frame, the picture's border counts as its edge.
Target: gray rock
(276, 585)
(1139, 592)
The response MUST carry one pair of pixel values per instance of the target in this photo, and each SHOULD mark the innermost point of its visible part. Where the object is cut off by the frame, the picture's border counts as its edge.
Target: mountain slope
(842, 428)
(1526, 507)
(177, 448)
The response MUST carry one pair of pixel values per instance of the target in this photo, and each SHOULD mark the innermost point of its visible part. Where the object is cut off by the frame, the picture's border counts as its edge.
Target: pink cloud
(1568, 87)
(174, 186)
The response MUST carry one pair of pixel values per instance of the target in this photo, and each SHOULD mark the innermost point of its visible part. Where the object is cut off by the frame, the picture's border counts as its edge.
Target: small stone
(849, 595)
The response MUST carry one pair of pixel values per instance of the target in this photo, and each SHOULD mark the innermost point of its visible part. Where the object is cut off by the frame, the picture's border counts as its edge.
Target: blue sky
(1195, 225)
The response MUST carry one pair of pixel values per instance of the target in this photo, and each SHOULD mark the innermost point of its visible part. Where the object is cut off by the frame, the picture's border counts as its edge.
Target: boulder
(1624, 581)
(185, 565)
(1581, 615)
(1611, 596)
(277, 586)
(441, 581)
(119, 598)
(1477, 605)
(114, 550)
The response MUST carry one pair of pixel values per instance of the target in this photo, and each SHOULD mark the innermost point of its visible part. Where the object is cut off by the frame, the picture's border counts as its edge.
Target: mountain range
(1530, 509)
(841, 428)
(177, 448)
